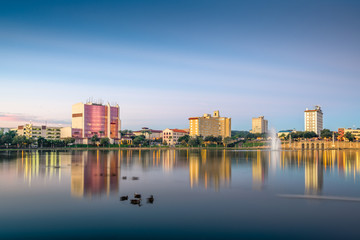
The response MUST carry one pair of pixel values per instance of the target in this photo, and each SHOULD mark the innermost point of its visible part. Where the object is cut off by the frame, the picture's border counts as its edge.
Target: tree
(282, 136)
(139, 140)
(7, 138)
(69, 140)
(94, 139)
(125, 132)
(196, 141)
(226, 141)
(184, 139)
(42, 142)
(310, 134)
(29, 141)
(146, 132)
(326, 133)
(349, 136)
(105, 141)
(19, 140)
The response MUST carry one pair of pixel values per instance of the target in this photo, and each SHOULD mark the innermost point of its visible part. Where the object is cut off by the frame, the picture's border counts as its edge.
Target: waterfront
(198, 193)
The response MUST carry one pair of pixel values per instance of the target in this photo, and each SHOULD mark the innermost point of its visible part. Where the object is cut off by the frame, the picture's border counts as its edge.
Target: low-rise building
(149, 133)
(285, 133)
(343, 131)
(31, 131)
(171, 136)
(65, 132)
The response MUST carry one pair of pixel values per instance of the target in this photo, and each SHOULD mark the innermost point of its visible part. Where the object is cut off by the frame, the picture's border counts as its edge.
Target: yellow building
(259, 125)
(208, 125)
(31, 131)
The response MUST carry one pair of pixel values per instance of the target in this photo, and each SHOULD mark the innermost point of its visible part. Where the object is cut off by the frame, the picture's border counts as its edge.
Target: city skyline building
(91, 119)
(259, 125)
(32, 131)
(208, 125)
(313, 120)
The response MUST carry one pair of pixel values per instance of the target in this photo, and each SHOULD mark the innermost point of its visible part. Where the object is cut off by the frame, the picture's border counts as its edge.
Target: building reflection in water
(210, 169)
(260, 167)
(95, 174)
(41, 165)
(314, 173)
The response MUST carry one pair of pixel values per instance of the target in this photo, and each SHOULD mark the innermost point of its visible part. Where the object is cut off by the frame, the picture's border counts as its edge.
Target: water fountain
(275, 141)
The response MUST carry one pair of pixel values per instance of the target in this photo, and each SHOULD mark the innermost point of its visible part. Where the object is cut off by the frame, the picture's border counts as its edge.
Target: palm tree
(94, 138)
(101, 132)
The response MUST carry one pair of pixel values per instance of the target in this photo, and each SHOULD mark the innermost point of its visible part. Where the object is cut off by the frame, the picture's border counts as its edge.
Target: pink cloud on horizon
(14, 119)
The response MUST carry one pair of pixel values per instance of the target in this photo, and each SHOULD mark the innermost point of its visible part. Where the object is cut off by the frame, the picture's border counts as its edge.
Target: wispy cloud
(18, 118)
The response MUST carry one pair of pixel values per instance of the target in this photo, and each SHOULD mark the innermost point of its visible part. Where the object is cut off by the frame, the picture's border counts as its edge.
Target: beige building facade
(171, 136)
(208, 125)
(313, 120)
(259, 125)
(31, 131)
(149, 133)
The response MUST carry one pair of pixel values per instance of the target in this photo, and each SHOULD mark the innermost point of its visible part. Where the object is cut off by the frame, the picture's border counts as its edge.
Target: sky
(166, 61)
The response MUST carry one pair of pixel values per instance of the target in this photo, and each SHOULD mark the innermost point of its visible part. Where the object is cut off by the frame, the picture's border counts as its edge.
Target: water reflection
(98, 173)
(95, 174)
(210, 169)
(260, 169)
(40, 165)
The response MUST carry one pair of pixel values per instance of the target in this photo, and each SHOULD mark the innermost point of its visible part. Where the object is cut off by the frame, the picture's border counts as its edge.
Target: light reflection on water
(188, 179)
(99, 172)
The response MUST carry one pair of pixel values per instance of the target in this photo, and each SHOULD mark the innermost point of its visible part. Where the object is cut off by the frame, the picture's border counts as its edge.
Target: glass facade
(96, 121)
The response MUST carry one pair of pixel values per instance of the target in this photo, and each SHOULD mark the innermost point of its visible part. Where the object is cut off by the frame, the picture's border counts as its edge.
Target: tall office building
(313, 120)
(95, 118)
(208, 125)
(259, 125)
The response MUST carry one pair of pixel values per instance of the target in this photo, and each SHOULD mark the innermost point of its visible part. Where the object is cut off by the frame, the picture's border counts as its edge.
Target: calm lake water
(204, 194)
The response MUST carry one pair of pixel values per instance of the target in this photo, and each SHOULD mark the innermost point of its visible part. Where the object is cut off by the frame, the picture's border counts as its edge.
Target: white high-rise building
(313, 120)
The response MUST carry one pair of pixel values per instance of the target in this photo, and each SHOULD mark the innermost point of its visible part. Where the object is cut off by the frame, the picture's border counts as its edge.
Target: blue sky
(165, 61)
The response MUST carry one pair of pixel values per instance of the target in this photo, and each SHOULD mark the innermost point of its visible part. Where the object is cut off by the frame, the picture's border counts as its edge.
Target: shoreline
(163, 148)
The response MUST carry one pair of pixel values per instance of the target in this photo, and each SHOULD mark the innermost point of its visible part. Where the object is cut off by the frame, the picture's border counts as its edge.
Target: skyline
(164, 61)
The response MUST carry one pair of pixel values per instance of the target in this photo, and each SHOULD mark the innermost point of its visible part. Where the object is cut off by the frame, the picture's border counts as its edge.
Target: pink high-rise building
(92, 118)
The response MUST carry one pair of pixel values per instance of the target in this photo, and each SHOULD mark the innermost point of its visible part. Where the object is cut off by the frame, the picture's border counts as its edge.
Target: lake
(203, 194)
